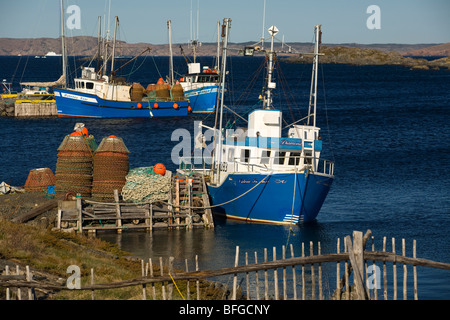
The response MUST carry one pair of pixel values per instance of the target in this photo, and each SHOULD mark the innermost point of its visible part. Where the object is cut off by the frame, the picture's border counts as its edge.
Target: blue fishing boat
(259, 175)
(201, 88)
(102, 98)
(97, 95)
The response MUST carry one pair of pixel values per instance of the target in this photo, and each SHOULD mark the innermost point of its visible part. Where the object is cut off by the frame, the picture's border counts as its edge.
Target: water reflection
(216, 247)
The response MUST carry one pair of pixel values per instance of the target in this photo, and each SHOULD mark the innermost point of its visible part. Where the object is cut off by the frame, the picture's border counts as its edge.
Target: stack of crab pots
(111, 166)
(74, 165)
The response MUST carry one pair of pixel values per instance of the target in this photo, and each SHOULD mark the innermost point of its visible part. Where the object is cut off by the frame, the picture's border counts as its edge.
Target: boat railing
(195, 165)
(254, 164)
(259, 164)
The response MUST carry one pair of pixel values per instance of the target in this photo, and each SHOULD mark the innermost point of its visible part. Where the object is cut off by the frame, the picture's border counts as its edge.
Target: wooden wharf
(188, 206)
(268, 279)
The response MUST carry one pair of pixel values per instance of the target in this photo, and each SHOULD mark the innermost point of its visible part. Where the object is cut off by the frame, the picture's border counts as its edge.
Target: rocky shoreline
(364, 57)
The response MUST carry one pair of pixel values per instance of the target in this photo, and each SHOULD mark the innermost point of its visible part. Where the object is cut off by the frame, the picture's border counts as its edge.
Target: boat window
(231, 155)
(294, 159)
(245, 155)
(265, 156)
(89, 85)
(308, 157)
(279, 157)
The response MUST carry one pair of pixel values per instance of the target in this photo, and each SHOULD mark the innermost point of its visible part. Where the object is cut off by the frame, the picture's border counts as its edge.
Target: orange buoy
(160, 81)
(85, 131)
(160, 169)
(175, 106)
(76, 133)
(139, 105)
(189, 108)
(156, 106)
(112, 136)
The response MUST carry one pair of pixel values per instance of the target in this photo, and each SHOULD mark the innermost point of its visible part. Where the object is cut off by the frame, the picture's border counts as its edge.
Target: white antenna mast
(263, 26)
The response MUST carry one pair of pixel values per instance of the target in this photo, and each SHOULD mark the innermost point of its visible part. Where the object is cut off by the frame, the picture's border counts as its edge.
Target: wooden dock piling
(188, 207)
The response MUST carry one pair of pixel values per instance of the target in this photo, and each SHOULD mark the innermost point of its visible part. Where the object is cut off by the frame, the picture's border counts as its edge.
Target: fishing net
(144, 185)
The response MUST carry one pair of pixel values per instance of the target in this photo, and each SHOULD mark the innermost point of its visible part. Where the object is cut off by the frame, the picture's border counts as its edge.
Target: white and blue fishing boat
(201, 87)
(259, 175)
(97, 95)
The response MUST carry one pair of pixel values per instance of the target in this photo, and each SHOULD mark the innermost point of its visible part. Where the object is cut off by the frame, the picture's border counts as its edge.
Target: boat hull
(271, 198)
(202, 100)
(75, 104)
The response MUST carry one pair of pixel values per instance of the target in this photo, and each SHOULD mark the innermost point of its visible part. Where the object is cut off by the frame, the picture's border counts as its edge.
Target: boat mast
(216, 168)
(169, 26)
(99, 42)
(218, 47)
(63, 44)
(114, 43)
(313, 93)
(270, 85)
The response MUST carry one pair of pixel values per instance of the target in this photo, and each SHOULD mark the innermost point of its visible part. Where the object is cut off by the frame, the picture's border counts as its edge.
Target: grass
(52, 252)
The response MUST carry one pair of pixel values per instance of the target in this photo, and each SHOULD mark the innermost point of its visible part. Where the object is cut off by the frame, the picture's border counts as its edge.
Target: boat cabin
(260, 147)
(90, 84)
(199, 78)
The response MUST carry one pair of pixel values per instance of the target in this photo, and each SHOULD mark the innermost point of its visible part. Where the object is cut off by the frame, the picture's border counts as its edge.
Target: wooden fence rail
(306, 273)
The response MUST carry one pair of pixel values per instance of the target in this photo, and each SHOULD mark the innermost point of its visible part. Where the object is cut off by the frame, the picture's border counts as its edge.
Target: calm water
(387, 128)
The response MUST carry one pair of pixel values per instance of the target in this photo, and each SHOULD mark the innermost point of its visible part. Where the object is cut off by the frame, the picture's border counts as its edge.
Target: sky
(343, 21)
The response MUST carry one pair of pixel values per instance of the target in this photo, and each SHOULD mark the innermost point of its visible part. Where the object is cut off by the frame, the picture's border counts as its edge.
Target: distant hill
(438, 50)
(87, 46)
(364, 56)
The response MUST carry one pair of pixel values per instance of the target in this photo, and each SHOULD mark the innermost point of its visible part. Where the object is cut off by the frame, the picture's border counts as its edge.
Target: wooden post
(404, 270)
(346, 272)
(355, 251)
(376, 275)
(266, 278)
(236, 262)
(19, 291)
(257, 278)
(163, 287)
(177, 200)
(313, 276)
(320, 273)
(151, 216)
(80, 214)
(303, 274)
(198, 282)
(415, 272)
(29, 277)
(170, 286)
(247, 280)
(8, 291)
(338, 272)
(92, 283)
(294, 277)
(188, 293)
(394, 267)
(275, 273)
(384, 272)
(147, 217)
(151, 275)
(144, 291)
(118, 213)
